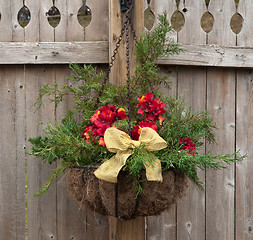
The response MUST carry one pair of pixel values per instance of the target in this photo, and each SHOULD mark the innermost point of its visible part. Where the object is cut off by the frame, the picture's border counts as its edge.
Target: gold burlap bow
(120, 143)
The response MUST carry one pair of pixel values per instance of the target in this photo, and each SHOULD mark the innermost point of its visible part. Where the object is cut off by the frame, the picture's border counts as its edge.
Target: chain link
(125, 29)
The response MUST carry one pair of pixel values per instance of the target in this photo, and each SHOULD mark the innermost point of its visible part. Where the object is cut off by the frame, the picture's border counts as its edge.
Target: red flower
(101, 141)
(151, 108)
(102, 119)
(121, 113)
(85, 133)
(188, 145)
(94, 117)
(135, 133)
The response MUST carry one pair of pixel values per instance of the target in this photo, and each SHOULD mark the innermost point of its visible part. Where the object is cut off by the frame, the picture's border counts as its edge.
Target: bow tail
(110, 169)
(154, 170)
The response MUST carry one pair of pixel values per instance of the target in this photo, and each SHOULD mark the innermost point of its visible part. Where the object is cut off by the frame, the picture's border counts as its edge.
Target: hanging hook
(123, 5)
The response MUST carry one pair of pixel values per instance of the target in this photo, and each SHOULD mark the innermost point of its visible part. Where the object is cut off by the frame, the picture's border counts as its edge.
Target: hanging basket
(119, 200)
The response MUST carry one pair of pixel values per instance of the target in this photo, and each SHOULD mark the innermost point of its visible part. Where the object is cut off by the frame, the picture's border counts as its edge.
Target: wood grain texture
(244, 136)
(59, 53)
(126, 230)
(118, 73)
(12, 158)
(133, 229)
(212, 55)
(244, 133)
(71, 220)
(18, 33)
(98, 29)
(32, 35)
(191, 208)
(164, 226)
(60, 32)
(192, 81)
(75, 31)
(41, 210)
(220, 185)
(6, 21)
(46, 31)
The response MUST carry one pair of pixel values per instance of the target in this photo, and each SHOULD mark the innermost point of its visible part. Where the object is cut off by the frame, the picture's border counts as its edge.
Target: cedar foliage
(63, 139)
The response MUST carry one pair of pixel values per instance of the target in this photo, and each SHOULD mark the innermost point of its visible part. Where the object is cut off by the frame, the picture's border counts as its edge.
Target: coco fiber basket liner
(118, 200)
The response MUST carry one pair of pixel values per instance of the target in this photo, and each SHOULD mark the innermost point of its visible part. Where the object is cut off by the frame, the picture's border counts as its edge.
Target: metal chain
(113, 57)
(125, 28)
(128, 76)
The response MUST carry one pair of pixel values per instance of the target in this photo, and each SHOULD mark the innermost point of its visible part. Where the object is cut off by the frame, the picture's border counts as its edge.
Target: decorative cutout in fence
(84, 16)
(177, 20)
(149, 19)
(53, 16)
(236, 23)
(207, 21)
(24, 16)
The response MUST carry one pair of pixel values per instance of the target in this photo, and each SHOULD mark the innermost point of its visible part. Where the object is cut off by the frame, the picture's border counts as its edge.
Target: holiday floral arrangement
(128, 128)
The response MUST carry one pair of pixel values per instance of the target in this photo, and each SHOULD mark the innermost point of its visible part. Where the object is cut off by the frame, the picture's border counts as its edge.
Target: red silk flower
(188, 145)
(151, 108)
(102, 119)
(135, 133)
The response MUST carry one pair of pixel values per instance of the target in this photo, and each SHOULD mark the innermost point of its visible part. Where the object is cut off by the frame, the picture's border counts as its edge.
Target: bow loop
(120, 143)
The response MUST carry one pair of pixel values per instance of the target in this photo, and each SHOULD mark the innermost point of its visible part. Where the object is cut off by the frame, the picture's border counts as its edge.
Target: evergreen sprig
(63, 139)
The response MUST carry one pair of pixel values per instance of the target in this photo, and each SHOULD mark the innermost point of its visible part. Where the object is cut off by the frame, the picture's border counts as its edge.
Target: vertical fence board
(17, 31)
(244, 133)
(46, 31)
(221, 104)
(6, 21)
(71, 220)
(220, 184)
(41, 210)
(98, 29)
(244, 178)
(30, 34)
(12, 160)
(75, 31)
(191, 208)
(61, 30)
(164, 226)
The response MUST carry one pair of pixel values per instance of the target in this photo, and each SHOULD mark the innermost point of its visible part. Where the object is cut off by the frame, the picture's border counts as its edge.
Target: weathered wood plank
(98, 29)
(221, 104)
(118, 73)
(75, 32)
(6, 21)
(42, 217)
(46, 31)
(60, 32)
(191, 208)
(18, 33)
(244, 133)
(164, 226)
(54, 53)
(32, 35)
(12, 158)
(133, 229)
(220, 184)
(244, 177)
(71, 220)
(212, 55)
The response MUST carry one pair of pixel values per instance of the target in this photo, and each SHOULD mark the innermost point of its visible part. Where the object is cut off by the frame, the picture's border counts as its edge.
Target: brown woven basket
(119, 200)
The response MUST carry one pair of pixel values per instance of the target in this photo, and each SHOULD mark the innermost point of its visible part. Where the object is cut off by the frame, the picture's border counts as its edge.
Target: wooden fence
(215, 71)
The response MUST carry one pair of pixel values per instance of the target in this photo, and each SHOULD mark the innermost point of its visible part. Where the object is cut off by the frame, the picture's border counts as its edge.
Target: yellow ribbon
(120, 143)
